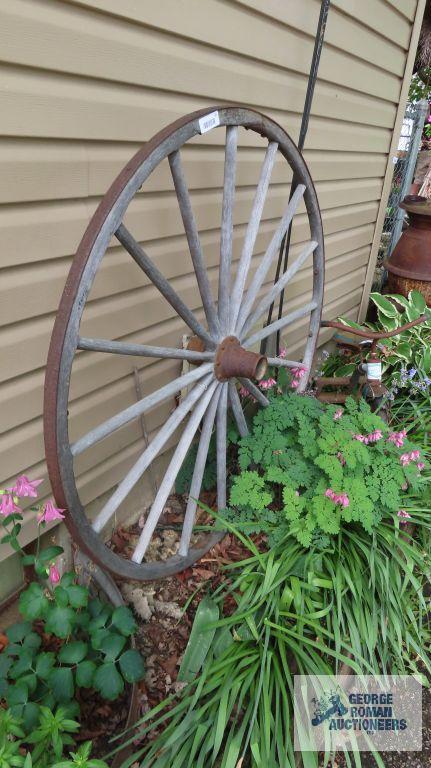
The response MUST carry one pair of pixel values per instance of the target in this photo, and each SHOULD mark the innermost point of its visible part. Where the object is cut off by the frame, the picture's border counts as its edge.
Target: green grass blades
(200, 641)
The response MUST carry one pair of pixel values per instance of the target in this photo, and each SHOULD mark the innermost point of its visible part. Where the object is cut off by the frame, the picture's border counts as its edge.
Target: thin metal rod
(198, 474)
(171, 474)
(150, 453)
(138, 254)
(139, 395)
(142, 350)
(137, 409)
(193, 240)
(221, 438)
(226, 234)
(279, 324)
(281, 362)
(285, 246)
(251, 233)
(237, 409)
(265, 263)
(277, 288)
(254, 391)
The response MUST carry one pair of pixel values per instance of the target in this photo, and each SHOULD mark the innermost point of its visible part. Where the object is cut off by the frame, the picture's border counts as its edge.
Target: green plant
(357, 603)
(81, 759)
(308, 468)
(93, 651)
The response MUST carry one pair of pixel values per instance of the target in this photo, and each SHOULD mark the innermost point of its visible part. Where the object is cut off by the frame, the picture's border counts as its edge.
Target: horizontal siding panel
(40, 171)
(55, 40)
(46, 231)
(81, 109)
(364, 43)
(221, 25)
(379, 16)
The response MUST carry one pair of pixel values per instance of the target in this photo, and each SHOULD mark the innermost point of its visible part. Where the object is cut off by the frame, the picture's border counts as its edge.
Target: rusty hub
(232, 360)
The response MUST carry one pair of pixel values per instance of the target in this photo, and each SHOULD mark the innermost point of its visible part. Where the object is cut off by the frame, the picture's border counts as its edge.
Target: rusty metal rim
(64, 338)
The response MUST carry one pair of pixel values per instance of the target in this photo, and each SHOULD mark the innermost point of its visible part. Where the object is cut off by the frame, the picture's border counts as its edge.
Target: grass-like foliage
(309, 468)
(358, 603)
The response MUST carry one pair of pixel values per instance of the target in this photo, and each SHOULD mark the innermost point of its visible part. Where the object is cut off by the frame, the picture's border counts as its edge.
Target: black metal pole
(285, 245)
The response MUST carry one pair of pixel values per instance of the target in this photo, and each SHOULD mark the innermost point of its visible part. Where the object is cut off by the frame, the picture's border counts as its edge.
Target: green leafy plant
(95, 652)
(355, 604)
(45, 744)
(307, 468)
(81, 759)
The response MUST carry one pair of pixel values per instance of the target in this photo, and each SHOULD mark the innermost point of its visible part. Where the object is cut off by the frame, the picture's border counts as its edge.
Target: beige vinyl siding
(82, 85)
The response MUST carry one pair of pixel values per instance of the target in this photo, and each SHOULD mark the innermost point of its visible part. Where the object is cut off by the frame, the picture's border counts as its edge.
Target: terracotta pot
(409, 266)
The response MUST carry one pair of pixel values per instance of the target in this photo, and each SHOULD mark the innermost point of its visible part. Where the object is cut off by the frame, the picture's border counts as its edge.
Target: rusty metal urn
(409, 266)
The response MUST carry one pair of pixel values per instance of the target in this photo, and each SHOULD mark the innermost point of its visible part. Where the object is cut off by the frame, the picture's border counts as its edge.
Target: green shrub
(307, 469)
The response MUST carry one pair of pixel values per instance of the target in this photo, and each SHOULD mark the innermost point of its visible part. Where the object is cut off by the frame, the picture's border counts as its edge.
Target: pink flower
(283, 352)
(341, 458)
(415, 455)
(375, 436)
(25, 487)
(245, 393)
(294, 383)
(397, 438)
(50, 513)
(420, 466)
(361, 438)
(337, 498)
(54, 574)
(404, 486)
(403, 515)
(405, 459)
(338, 414)
(267, 383)
(8, 505)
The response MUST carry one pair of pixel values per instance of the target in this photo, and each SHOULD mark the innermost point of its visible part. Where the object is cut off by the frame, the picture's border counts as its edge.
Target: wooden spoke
(276, 289)
(193, 240)
(226, 232)
(138, 409)
(138, 254)
(251, 233)
(237, 409)
(254, 391)
(138, 469)
(271, 252)
(198, 473)
(171, 474)
(281, 362)
(221, 438)
(279, 324)
(142, 350)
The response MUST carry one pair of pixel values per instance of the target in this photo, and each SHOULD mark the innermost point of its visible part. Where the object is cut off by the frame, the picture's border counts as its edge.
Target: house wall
(83, 84)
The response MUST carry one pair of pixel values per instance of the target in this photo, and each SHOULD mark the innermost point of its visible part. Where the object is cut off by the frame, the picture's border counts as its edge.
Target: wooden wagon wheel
(226, 340)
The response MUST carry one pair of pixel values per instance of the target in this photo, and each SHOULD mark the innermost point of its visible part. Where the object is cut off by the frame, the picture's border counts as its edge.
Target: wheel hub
(232, 360)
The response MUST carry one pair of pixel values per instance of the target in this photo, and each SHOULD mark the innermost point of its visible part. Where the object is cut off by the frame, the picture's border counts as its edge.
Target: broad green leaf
(17, 632)
(78, 595)
(44, 664)
(418, 301)
(61, 597)
(132, 666)
(73, 653)
(21, 665)
(5, 664)
(33, 603)
(50, 553)
(108, 681)
(32, 641)
(122, 619)
(200, 640)
(61, 683)
(384, 305)
(85, 674)
(59, 621)
(112, 645)
(17, 694)
(404, 350)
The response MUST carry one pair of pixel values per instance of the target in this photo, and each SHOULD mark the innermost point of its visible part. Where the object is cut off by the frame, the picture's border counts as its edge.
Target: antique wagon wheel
(225, 343)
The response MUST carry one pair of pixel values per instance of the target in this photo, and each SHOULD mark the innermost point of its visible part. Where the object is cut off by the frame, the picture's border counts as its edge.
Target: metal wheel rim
(101, 228)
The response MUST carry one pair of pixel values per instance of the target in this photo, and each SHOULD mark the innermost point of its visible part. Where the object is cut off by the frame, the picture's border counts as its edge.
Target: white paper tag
(208, 122)
(374, 371)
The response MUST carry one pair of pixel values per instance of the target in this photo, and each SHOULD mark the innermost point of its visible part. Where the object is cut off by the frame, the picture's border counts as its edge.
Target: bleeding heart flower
(54, 574)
